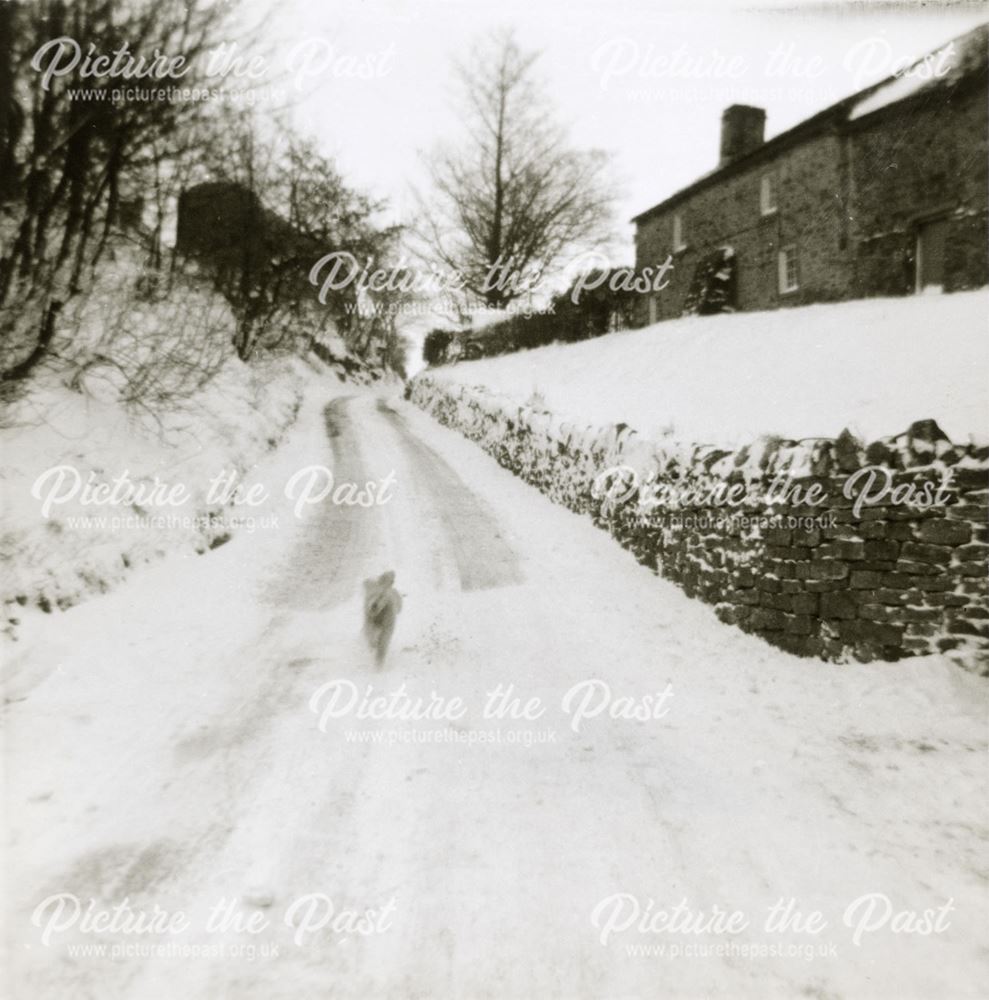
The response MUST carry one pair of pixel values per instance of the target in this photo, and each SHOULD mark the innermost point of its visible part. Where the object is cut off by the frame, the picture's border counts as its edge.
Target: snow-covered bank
(62, 543)
(125, 443)
(874, 366)
(809, 397)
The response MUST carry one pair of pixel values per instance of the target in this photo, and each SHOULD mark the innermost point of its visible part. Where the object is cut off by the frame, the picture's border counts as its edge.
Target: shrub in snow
(713, 286)
(142, 379)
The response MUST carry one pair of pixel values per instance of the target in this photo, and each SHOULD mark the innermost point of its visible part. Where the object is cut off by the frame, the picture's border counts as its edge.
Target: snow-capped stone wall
(826, 548)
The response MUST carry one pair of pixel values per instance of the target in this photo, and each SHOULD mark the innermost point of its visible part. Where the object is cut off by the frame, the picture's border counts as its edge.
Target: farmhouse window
(767, 195)
(679, 242)
(788, 273)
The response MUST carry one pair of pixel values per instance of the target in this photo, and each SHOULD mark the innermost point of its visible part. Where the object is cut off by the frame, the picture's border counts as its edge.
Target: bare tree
(513, 196)
(294, 208)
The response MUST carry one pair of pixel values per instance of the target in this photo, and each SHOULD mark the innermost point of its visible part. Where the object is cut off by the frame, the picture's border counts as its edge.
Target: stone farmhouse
(883, 193)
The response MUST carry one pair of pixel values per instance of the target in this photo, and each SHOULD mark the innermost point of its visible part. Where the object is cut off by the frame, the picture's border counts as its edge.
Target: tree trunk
(23, 368)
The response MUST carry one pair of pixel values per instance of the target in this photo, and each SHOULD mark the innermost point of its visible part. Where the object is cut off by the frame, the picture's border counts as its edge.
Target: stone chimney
(742, 129)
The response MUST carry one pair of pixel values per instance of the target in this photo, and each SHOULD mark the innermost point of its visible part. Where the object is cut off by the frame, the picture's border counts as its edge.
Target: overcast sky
(608, 66)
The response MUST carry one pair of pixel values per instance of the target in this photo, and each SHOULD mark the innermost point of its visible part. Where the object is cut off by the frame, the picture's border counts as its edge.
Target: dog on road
(382, 603)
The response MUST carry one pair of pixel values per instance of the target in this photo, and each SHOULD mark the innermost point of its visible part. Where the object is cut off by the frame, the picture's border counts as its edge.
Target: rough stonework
(841, 198)
(829, 548)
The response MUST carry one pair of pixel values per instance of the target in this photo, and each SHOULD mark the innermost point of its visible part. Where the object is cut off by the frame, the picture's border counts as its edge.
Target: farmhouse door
(931, 238)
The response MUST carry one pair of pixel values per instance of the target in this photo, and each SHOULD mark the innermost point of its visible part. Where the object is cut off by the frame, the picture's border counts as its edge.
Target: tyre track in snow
(325, 568)
(483, 558)
(337, 549)
(232, 757)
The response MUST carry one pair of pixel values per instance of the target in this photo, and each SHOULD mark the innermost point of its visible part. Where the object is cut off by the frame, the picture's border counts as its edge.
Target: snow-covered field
(165, 749)
(874, 366)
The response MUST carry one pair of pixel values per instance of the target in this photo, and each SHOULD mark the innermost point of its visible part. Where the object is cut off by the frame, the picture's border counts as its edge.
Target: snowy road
(181, 762)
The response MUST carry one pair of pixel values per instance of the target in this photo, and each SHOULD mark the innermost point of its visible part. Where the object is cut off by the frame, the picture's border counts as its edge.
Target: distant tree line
(591, 307)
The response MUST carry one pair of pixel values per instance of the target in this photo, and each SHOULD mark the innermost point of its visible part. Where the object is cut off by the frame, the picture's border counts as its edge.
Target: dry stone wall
(830, 548)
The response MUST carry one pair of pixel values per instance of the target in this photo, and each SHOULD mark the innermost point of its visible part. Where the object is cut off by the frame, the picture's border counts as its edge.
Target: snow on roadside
(874, 366)
(59, 552)
(178, 744)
